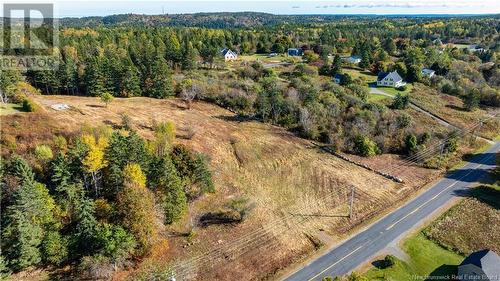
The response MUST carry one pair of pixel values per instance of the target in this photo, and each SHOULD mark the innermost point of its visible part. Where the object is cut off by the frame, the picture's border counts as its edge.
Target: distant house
(476, 48)
(295, 52)
(390, 79)
(426, 72)
(228, 54)
(353, 59)
(480, 265)
(437, 42)
(337, 78)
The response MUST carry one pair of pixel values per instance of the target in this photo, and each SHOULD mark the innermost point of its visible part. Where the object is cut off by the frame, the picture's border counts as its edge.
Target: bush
(401, 88)
(364, 146)
(401, 101)
(389, 261)
(43, 152)
(30, 106)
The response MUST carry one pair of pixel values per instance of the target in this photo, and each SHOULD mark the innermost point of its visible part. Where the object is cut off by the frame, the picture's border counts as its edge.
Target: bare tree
(188, 94)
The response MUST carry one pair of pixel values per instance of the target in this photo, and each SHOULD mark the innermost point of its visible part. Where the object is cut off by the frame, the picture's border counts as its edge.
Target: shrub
(364, 146)
(30, 106)
(389, 261)
(401, 88)
(401, 101)
(43, 152)
(107, 98)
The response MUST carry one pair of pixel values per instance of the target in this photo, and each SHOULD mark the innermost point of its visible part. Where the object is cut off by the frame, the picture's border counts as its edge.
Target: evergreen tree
(27, 220)
(166, 182)
(94, 79)
(336, 65)
(189, 55)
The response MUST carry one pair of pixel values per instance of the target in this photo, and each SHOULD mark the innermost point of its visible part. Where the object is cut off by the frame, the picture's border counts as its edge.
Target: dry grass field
(294, 190)
(450, 108)
(474, 223)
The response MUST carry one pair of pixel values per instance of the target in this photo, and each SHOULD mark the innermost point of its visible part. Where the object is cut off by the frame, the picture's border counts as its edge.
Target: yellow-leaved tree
(94, 161)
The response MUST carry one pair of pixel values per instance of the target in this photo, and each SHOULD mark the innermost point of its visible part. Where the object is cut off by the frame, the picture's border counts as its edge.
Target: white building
(353, 59)
(390, 79)
(228, 54)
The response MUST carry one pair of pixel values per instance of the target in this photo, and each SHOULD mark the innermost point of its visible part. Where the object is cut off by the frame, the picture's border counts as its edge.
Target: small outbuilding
(295, 52)
(480, 265)
(338, 78)
(353, 59)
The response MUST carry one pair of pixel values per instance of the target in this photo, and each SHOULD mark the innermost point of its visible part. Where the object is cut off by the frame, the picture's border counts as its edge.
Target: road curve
(365, 245)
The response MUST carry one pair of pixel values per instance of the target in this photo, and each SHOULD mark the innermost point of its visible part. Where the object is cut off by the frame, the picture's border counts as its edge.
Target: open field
(364, 75)
(471, 225)
(451, 109)
(286, 179)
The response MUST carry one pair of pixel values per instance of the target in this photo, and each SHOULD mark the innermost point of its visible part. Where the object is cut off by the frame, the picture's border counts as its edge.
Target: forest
(92, 196)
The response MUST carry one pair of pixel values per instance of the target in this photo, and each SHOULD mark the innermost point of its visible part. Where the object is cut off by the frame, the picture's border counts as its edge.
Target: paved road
(365, 245)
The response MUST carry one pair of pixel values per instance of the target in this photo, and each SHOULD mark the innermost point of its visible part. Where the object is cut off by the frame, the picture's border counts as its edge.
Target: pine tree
(189, 55)
(166, 182)
(27, 220)
(94, 78)
(336, 65)
(162, 84)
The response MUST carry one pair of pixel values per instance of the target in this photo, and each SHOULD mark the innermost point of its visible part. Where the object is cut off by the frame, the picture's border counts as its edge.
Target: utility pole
(351, 202)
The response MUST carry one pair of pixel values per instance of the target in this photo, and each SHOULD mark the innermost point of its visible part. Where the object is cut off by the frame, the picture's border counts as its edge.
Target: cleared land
(472, 225)
(290, 184)
(450, 108)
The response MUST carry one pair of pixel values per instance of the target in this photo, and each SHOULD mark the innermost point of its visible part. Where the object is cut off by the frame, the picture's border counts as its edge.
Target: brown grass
(450, 108)
(470, 226)
(295, 188)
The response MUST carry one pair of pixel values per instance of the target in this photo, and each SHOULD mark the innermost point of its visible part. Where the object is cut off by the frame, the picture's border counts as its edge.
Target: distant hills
(215, 20)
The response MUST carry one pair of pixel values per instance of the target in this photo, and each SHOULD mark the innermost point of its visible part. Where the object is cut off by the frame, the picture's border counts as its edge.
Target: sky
(68, 8)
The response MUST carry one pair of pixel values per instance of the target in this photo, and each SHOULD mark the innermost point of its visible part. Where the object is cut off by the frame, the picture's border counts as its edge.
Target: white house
(426, 72)
(480, 265)
(353, 59)
(476, 48)
(390, 79)
(228, 54)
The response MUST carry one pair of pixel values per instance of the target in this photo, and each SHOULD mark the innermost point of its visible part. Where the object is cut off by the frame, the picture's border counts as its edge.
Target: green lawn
(264, 58)
(394, 92)
(9, 108)
(364, 75)
(426, 259)
(377, 98)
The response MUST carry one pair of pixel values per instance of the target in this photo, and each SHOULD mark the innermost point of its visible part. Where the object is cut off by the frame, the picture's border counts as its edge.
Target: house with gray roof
(427, 72)
(353, 59)
(228, 54)
(480, 265)
(390, 79)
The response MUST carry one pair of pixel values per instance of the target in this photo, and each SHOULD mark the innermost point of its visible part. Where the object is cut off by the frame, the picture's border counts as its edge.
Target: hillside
(284, 179)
